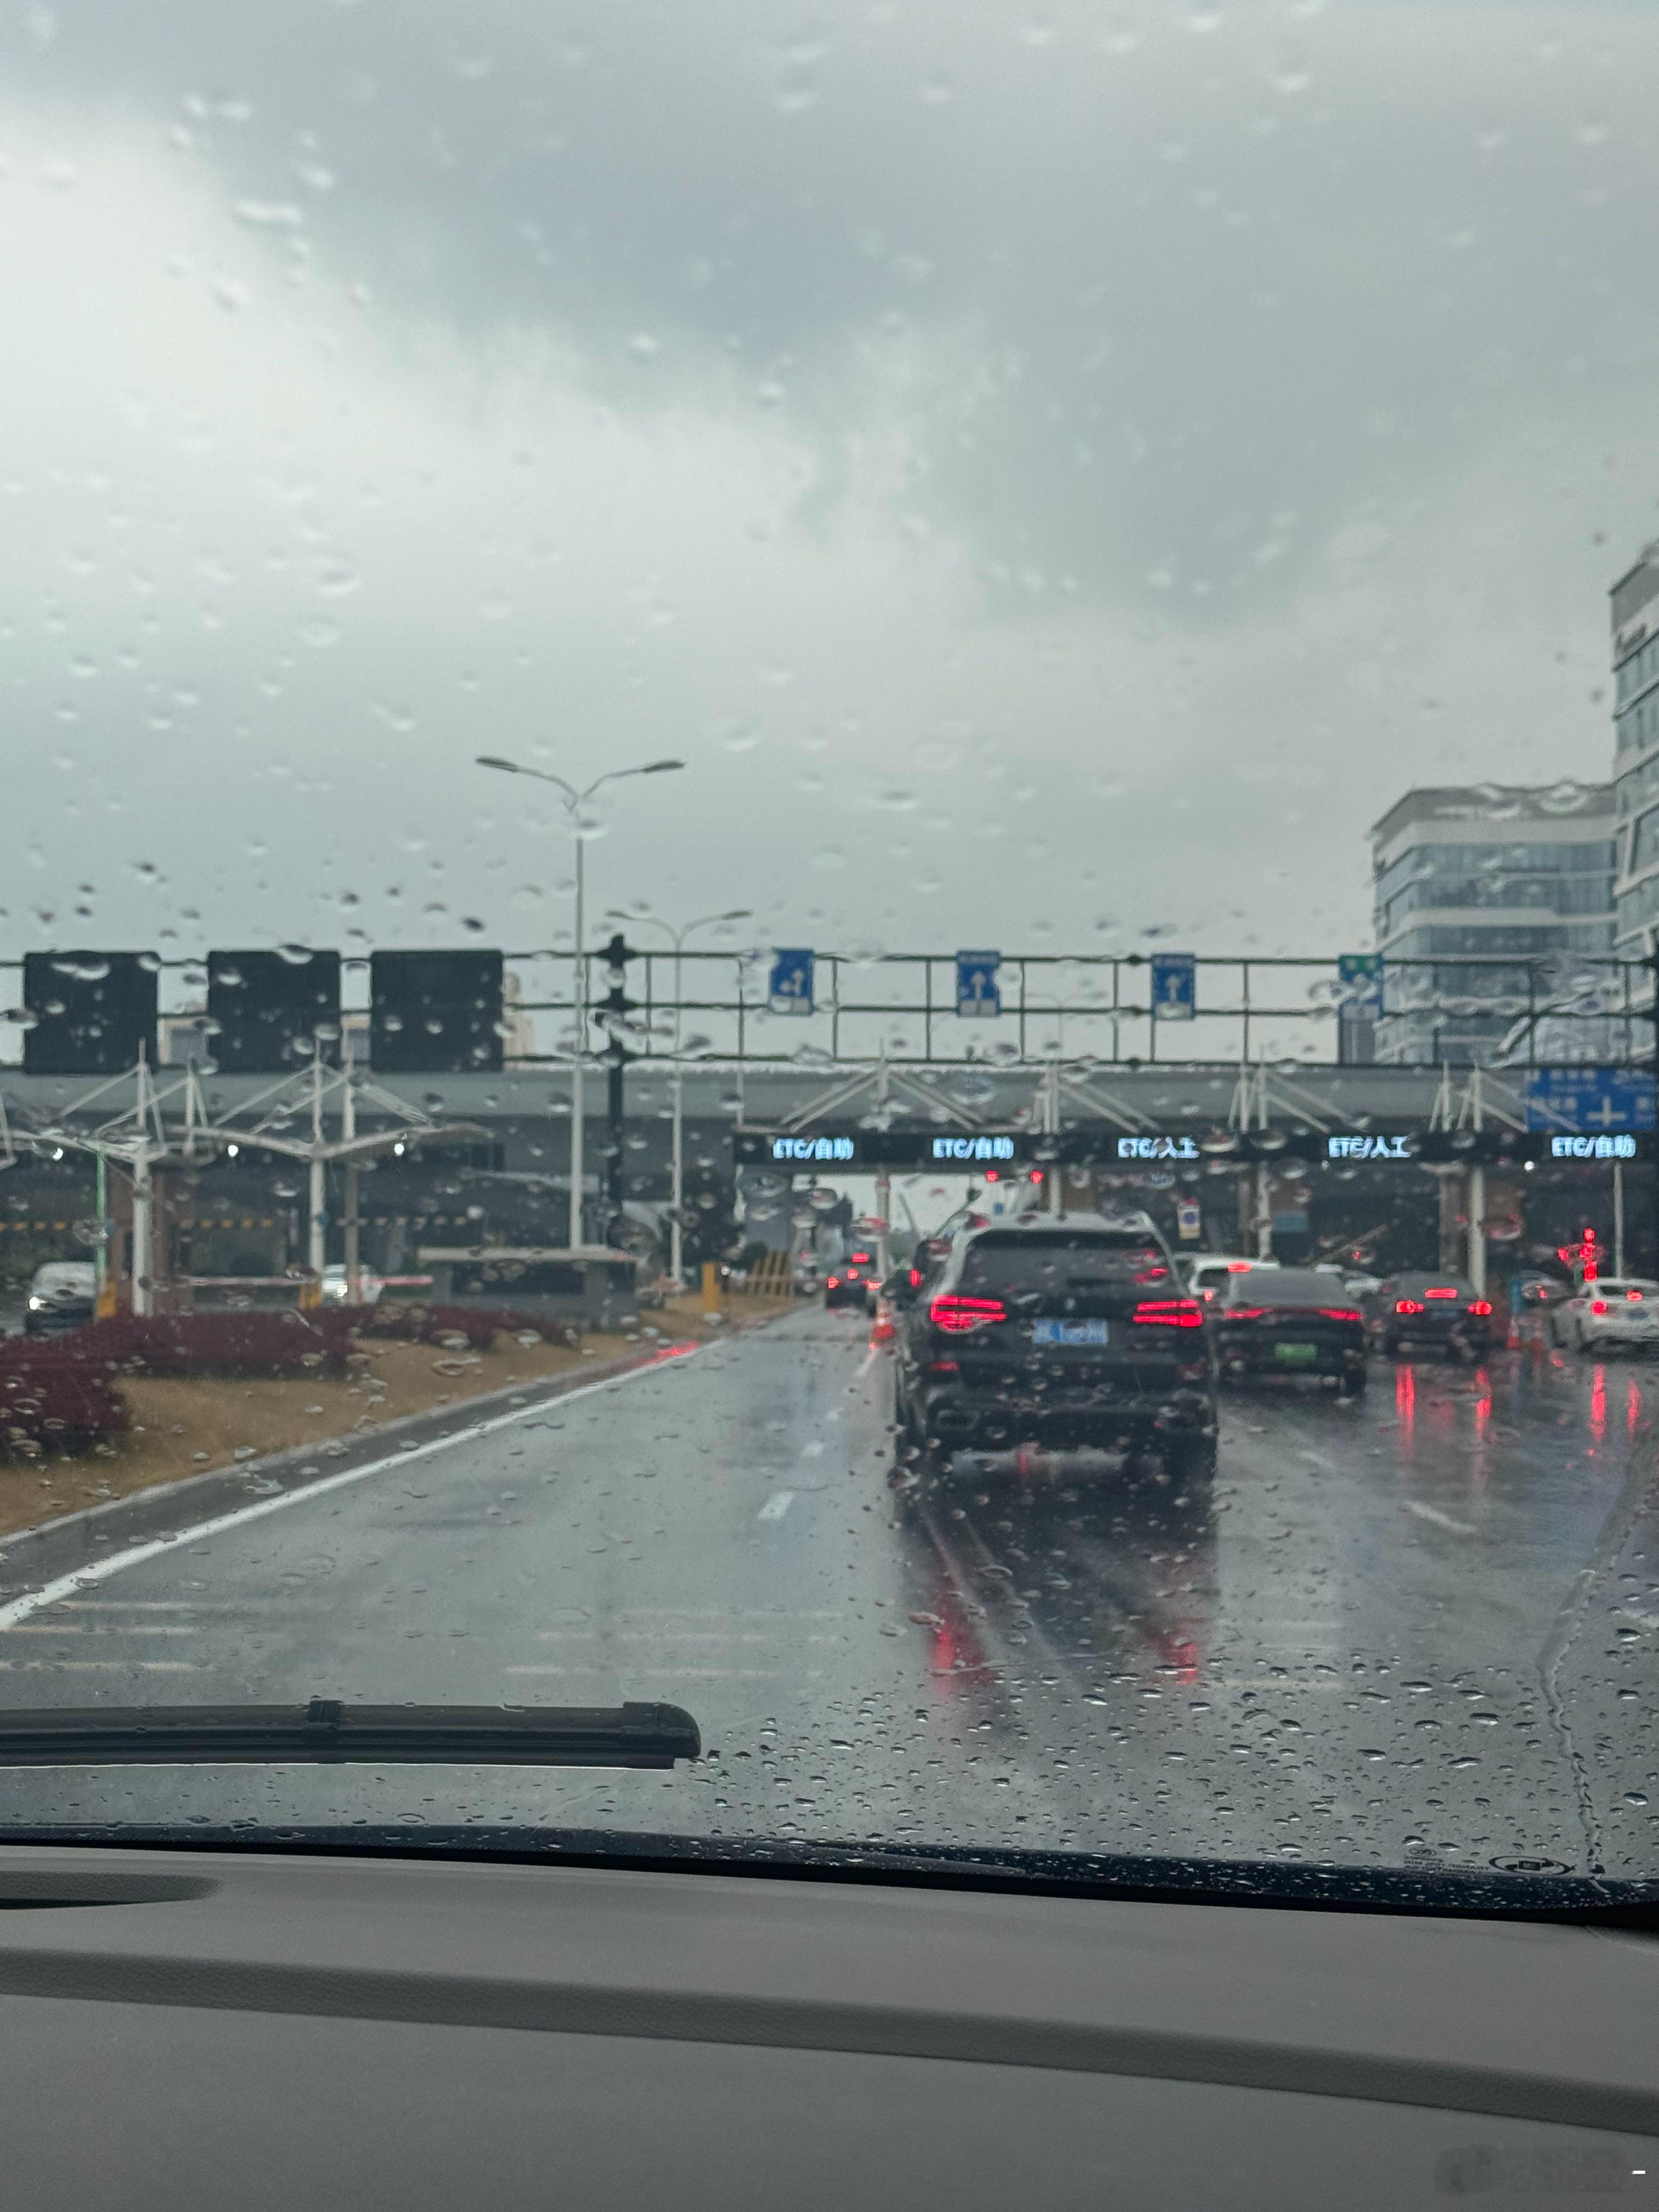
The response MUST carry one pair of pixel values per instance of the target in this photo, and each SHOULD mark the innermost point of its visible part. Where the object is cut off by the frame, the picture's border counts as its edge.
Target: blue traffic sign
(789, 990)
(1360, 975)
(1175, 986)
(979, 994)
(1590, 1098)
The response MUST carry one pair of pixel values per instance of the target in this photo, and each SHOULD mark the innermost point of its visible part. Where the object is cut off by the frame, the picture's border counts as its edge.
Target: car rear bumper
(972, 1419)
(1339, 1359)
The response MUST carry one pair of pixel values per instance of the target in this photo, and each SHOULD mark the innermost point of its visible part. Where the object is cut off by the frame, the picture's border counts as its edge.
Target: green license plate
(1296, 1355)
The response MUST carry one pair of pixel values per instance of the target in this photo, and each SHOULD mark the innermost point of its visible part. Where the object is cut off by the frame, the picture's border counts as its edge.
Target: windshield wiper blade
(329, 1733)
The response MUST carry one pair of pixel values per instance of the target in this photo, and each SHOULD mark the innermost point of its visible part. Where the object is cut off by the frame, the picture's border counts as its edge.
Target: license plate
(1296, 1355)
(1068, 1332)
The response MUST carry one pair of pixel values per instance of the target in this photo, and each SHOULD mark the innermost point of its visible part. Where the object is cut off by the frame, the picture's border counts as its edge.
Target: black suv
(1058, 1329)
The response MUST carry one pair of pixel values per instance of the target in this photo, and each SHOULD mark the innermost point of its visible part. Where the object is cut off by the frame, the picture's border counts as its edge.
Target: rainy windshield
(1044, 1261)
(647, 648)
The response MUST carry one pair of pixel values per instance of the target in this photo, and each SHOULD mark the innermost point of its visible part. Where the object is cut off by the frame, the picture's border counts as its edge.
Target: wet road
(1424, 1626)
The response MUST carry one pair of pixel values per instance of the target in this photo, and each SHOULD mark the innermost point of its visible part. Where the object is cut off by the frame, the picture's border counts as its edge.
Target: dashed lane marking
(1440, 1520)
(776, 1505)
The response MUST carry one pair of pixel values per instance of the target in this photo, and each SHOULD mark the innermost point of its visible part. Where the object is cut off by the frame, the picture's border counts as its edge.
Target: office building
(1485, 898)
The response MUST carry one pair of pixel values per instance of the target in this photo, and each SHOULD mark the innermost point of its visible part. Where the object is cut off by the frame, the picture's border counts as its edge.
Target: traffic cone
(882, 1332)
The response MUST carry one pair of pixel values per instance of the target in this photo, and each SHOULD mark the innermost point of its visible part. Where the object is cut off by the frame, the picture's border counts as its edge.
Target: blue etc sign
(813, 1148)
(1371, 1147)
(1157, 1148)
(972, 1148)
(1621, 1147)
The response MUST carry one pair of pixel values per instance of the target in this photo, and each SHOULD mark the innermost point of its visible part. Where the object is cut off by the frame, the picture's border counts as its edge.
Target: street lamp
(572, 801)
(677, 937)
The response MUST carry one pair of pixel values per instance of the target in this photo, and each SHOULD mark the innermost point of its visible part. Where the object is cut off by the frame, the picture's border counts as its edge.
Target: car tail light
(958, 1316)
(1343, 1313)
(1440, 1294)
(1635, 1297)
(1408, 1305)
(862, 1258)
(1598, 1305)
(916, 1278)
(1243, 1313)
(1480, 1305)
(1170, 1313)
(1240, 1267)
(832, 1283)
(1152, 1275)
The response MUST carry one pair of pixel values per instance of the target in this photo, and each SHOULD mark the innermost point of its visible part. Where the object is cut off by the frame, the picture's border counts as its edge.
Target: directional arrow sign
(1175, 986)
(979, 996)
(789, 989)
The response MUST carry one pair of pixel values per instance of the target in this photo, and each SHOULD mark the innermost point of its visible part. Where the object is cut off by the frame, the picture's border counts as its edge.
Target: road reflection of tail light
(1408, 1305)
(958, 1316)
(1480, 1305)
(1170, 1313)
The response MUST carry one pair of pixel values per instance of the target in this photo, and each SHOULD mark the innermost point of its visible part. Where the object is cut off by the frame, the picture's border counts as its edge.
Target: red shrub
(59, 1403)
(242, 1343)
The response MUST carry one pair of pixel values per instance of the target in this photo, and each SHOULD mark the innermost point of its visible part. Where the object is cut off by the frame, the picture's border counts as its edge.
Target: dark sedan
(1061, 1331)
(1290, 1322)
(853, 1282)
(1443, 1311)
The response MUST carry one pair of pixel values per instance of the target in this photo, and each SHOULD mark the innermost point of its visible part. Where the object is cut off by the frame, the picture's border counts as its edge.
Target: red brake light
(862, 1258)
(1170, 1313)
(1440, 1294)
(958, 1315)
(916, 1278)
(1598, 1305)
(1244, 1313)
(1407, 1305)
(1480, 1305)
(1346, 1313)
(1239, 1267)
(831, 1284)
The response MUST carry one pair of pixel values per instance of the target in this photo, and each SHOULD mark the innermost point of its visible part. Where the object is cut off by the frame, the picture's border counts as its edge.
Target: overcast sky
(1055, 474)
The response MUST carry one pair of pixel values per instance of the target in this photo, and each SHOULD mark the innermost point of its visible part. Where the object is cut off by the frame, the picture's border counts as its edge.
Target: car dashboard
(204, 2028)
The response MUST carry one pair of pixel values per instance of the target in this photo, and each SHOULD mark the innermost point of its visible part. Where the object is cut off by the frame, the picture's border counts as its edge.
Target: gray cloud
(1152, 442)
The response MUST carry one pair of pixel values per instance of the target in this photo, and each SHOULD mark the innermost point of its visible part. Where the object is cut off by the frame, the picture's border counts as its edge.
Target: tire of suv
(1189, 1458)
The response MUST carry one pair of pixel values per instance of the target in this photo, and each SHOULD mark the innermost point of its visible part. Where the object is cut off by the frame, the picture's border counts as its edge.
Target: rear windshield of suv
(1290, 1286)
(1044, 1261)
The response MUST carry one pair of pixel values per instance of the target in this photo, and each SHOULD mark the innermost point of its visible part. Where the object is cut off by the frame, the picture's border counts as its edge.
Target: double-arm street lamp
(677, 938)
(573, 801)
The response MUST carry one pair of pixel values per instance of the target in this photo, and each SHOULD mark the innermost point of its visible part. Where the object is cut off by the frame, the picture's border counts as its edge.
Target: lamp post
(677, 938)
(572, 801)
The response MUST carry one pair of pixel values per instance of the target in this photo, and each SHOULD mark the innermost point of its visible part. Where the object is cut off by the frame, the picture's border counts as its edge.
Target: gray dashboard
(186, 2029)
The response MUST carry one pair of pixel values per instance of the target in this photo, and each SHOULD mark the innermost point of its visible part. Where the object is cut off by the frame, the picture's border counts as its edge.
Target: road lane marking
(776, 1505)
(62, 1586)
(1440, 1520)
(867, 1363)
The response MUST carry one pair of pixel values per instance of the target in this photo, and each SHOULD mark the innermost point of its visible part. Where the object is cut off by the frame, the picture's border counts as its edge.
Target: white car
(1613, 1311)
(1207, 1272)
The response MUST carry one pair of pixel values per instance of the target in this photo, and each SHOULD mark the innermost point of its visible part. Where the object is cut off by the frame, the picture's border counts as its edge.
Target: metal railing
(1506, 1009)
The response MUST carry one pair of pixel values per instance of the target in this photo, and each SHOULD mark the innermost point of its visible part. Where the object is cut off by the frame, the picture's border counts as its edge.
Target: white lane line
(776, 1505)
(99, 1667)
(1440, 1520)
(19, 1608)
(867, 1363)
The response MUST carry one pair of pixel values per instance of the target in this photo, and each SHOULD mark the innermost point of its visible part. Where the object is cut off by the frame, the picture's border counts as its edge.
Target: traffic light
(613, 1010)
(612, 1013)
